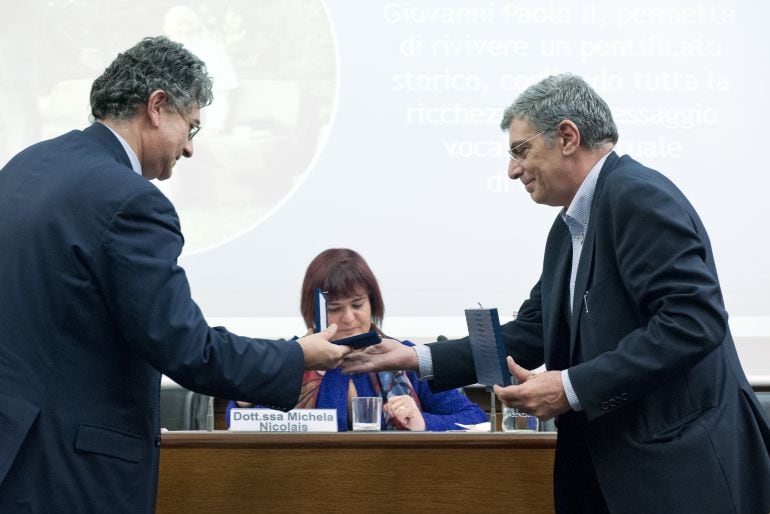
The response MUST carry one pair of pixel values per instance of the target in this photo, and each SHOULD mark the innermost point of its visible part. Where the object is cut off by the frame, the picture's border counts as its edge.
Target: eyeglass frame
(194, 128)
(512, 150)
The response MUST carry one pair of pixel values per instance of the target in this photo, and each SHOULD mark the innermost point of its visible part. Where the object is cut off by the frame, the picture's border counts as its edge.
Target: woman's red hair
(340, 273)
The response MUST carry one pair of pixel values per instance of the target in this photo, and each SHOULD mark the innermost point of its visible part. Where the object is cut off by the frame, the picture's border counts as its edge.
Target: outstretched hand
(319, 353)
(389, 355)
(539, 394)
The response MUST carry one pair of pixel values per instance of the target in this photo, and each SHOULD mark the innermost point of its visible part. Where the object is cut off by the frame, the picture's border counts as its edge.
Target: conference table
(221, 471)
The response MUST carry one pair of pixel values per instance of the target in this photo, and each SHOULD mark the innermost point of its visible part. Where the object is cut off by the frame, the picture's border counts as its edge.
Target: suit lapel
(585, 266)
(555, 336)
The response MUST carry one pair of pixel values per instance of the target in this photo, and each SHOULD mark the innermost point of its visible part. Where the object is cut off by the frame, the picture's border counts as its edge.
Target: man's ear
(155, 103)
(569, 136)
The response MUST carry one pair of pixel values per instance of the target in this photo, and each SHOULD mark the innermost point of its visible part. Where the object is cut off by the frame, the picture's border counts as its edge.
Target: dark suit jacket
(94, 308)
(672, 423)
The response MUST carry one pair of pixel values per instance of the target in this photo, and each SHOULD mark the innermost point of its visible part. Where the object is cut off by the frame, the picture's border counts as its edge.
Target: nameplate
(296, 420)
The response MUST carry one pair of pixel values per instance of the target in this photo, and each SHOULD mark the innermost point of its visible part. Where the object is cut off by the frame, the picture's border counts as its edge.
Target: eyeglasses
(193, 130)
(194, 127)
(518, 153)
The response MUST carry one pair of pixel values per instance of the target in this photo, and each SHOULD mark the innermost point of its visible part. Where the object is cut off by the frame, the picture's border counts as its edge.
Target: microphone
(210, 415)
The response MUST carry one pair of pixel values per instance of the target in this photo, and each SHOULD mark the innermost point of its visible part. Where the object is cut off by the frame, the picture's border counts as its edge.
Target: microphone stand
(210, 415)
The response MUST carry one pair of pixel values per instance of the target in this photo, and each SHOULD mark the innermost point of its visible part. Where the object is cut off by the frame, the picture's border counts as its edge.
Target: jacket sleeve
(148, 295)
(655, 302)
(453, 364)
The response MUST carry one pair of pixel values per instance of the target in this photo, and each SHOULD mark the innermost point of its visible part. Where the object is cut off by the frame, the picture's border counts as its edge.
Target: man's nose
(188, 149)
(515, 170)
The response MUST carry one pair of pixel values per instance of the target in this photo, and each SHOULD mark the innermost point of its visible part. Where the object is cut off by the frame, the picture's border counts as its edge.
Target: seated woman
(354, 303)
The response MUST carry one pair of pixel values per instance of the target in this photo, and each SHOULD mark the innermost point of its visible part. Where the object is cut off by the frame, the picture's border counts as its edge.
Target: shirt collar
(135, 164)
(579, 208)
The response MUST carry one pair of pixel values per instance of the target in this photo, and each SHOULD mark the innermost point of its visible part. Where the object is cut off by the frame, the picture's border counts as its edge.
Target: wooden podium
(233, 472)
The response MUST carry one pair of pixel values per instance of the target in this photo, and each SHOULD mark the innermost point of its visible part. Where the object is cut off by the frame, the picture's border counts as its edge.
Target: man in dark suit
(94, 306)
(654, 412)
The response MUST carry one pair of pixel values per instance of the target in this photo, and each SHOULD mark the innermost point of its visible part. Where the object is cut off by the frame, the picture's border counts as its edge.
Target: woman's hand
(405, 411)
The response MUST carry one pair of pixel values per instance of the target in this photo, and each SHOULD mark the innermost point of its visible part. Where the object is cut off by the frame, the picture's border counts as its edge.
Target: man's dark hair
(152, 64)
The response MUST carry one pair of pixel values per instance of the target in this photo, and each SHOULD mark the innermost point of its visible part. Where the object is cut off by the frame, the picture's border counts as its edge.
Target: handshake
(360, 353)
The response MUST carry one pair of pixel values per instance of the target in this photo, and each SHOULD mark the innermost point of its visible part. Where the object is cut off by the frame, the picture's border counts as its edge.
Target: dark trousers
(576, 489)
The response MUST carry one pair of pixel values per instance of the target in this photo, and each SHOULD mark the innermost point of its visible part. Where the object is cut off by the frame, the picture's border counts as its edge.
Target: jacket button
(157, 441)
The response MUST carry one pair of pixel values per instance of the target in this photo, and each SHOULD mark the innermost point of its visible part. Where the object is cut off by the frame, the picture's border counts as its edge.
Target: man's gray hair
(152, 64)
(564, 97)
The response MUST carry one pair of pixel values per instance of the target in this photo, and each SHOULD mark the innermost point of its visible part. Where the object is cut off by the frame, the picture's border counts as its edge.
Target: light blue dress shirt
(576, 217)
(135, 164)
